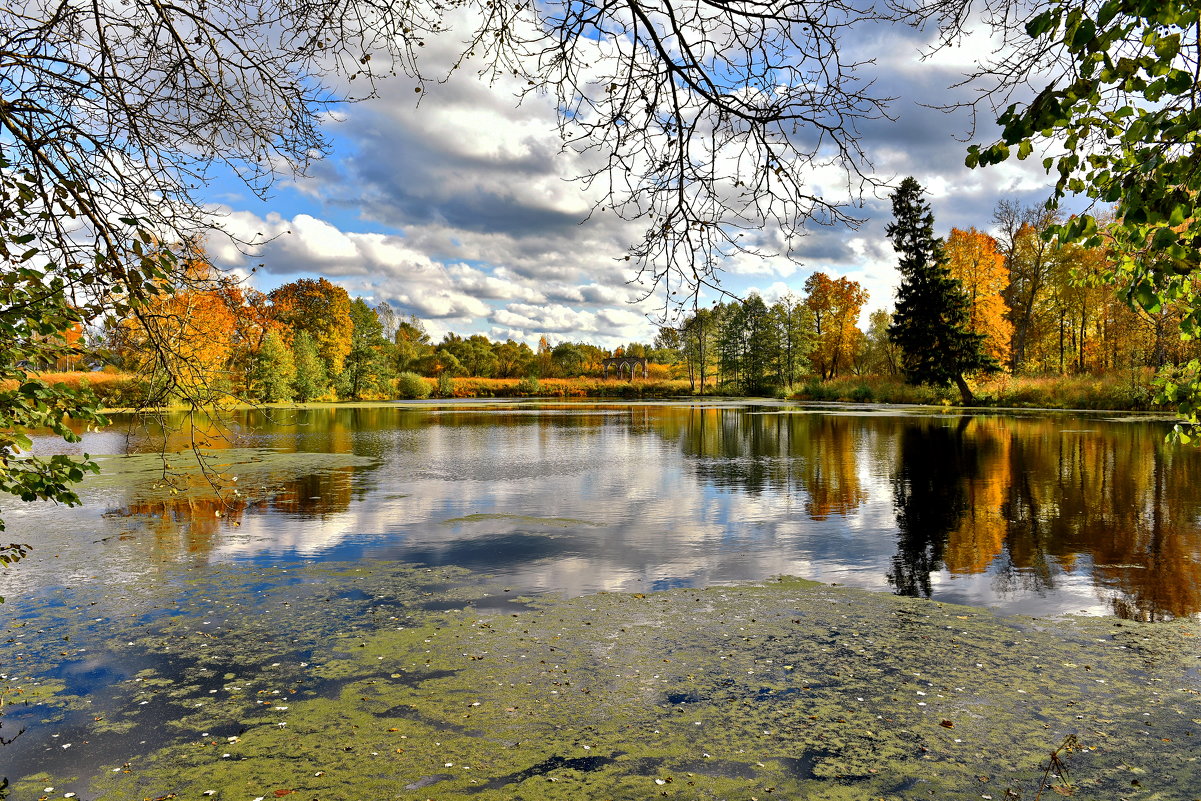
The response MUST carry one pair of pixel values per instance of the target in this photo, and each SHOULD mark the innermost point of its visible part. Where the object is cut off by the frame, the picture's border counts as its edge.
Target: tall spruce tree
(930, 324)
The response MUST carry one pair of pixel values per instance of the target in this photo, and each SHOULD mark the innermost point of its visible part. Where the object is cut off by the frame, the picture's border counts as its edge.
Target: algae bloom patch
(786, 690)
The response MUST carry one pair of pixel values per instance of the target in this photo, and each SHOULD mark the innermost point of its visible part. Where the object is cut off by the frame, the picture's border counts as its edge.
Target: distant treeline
(1045, 309)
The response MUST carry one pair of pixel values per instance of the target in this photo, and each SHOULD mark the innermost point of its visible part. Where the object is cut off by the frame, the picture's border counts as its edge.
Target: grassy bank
(567, 388)
(1116, 392)
(1124, 392)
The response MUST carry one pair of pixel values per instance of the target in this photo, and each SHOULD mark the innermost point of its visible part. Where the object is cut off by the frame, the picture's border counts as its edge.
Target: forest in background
(1046, 310)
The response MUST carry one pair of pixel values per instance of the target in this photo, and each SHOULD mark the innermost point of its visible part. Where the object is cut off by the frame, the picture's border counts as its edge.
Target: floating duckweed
(789, 689)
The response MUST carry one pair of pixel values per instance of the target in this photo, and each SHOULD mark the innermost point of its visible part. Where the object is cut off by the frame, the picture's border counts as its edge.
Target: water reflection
(1036, 514)
(935, 463)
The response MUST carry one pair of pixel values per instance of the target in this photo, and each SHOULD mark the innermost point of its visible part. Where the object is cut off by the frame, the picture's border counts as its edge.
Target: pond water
(162, 592)
(1032, 513)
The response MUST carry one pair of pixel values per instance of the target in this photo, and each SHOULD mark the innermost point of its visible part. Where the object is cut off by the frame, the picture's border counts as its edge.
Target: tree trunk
(965, 392)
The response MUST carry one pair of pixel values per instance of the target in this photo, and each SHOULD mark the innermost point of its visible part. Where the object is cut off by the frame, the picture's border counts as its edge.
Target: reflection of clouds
(694, 494)
(303, 537)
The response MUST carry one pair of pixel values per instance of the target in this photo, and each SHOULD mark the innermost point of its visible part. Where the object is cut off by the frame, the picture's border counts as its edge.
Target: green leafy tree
(795, 338)
(1120, 107)
(311, 380)
(274, 370)
(567, 359)
(412, 344)
(513, 359)
(699, 335)
(412, 386)
(747, 344)
(366, 368)
(930, 324)
(474, 354)
(35, 316)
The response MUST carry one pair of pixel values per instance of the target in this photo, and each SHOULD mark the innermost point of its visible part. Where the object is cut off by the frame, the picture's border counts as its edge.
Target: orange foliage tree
(973, 258)
(183, 337)
(835, 306)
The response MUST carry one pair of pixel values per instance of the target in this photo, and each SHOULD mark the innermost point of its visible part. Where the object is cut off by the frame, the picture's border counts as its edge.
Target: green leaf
(1167, 47)
(1043, 23)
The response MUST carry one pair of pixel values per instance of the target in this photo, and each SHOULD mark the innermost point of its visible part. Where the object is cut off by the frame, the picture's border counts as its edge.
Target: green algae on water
(785, 690)
(191, 473)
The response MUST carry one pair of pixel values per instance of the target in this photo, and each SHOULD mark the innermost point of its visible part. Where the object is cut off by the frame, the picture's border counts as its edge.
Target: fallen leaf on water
(282, 793)
(946, 724)
(1064, 790)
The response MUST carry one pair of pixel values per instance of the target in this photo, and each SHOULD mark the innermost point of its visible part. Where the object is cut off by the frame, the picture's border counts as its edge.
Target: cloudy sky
(459, 209)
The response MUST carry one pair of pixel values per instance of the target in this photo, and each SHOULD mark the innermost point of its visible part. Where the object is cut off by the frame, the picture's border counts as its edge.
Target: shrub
(412, 386)
(862, 394)
(529, 385)
(446, 385)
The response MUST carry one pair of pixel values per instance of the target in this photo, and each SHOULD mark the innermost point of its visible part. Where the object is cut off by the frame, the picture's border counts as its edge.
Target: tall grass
(1123, 392)
(583, 387)
(111, 389)
(1117, 391)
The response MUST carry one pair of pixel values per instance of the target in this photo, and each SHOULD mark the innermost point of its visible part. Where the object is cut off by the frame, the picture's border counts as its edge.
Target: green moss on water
(788, 690)
(200, 474)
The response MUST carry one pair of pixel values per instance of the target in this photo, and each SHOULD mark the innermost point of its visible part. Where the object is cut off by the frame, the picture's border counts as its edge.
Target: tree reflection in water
(983, 508)
(934, 462)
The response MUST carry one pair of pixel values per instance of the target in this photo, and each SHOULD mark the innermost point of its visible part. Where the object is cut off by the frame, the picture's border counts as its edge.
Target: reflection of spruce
(930, 501)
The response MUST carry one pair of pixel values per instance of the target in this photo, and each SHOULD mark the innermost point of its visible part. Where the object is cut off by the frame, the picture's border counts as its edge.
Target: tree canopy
(1116, 113)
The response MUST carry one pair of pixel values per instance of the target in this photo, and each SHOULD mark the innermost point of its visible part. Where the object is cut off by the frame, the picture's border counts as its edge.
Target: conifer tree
(930, 324)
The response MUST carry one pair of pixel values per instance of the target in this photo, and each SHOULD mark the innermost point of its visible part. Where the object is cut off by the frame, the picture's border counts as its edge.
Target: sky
(457, 205)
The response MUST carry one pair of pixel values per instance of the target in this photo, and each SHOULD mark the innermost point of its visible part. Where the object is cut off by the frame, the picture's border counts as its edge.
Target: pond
(335, 522)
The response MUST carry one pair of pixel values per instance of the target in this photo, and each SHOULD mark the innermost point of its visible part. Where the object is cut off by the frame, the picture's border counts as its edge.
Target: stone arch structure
(624, 365)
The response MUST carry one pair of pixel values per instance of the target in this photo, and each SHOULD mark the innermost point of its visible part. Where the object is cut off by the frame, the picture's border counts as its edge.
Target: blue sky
(461, 210)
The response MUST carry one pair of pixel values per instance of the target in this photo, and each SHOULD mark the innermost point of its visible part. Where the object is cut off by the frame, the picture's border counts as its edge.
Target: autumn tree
(834, 306)
(543, 357)
(1116, 103)
(880, 354)
(930, 324)
(973, 259)
(321, 309)
(252, 323)
(1029, 258)
(181, 339)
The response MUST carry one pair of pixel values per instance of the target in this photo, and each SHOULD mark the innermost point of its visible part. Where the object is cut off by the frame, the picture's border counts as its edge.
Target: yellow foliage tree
(973, 258)
(835, 306)
(320, 308)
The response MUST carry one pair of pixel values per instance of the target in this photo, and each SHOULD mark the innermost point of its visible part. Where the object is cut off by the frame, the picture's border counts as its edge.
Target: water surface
(1038, 513)
(179, 608)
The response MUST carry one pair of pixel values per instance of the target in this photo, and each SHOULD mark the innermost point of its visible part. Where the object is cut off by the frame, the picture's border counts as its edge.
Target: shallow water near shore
(392, 681)
(577, 600)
